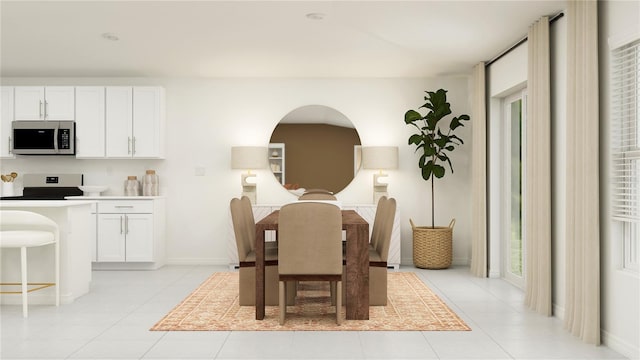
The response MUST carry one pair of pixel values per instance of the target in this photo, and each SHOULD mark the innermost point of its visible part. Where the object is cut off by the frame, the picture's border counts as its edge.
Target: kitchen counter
(114, 197)
(74, 220)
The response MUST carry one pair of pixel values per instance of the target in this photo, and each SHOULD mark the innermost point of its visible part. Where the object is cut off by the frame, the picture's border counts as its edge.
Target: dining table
(356, 259)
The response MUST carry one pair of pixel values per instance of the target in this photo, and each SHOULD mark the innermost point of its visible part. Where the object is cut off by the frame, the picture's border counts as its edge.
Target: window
(625, 147)
(514, 117)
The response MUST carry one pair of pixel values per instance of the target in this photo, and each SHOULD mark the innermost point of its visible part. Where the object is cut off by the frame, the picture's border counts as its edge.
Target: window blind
(625, 150)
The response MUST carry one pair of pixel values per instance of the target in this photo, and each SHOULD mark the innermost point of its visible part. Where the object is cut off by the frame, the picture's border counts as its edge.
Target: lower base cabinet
(130, 232)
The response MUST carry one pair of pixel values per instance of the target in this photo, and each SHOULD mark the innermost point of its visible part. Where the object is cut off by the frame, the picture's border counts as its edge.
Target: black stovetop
(45, 193)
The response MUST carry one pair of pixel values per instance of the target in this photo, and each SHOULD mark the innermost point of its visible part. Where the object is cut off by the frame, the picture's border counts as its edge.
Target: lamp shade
(248, 157)
(380, 157)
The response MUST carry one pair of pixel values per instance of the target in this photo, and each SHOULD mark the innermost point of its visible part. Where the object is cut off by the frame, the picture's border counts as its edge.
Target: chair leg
(338, 302)
(282, 302)
(57, 265)
(23, 269)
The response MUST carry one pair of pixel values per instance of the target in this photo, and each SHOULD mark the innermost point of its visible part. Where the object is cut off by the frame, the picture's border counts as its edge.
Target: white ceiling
(259, 38)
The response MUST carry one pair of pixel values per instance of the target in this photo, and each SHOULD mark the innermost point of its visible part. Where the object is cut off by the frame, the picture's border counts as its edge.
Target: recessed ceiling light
(110, 36)
(315, 16)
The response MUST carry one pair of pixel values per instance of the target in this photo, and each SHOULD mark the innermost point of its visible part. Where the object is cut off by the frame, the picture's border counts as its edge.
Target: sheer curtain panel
(582, 310)
(479, 174)
(537, 216)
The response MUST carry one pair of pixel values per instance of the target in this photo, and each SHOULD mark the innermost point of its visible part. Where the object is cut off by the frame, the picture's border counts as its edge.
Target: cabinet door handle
(134, 146)
(124, 206)
(45, 109)
(40, 110)
(10, 150)
(126, 224)
(128, 145)
(121, 224)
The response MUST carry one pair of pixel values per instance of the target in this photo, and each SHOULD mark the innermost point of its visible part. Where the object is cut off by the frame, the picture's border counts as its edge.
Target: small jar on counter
(132, 186)
(150, 183)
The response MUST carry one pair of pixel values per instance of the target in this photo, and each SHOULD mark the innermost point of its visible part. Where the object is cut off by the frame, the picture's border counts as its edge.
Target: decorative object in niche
(435, 146)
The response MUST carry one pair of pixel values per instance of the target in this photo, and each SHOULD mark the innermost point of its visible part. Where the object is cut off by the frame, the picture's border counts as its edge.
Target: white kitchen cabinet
(119, 121)
(90, 122)
(44, 103)
(135, 122)
(130, 231)
(6, 117)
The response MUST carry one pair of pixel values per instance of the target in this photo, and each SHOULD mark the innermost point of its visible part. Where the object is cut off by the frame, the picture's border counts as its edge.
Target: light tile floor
(112, 322)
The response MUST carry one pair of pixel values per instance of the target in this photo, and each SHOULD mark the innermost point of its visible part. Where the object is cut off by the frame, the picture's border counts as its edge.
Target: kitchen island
(75, 222)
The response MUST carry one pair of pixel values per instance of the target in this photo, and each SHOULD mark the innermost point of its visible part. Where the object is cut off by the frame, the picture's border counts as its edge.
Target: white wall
(620, 289)
(205, 117)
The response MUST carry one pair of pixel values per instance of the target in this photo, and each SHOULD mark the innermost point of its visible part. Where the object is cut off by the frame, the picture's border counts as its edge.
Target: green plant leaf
(449, 148)
(456, 138)
(438, 171)
(415, 139)
(412, 116)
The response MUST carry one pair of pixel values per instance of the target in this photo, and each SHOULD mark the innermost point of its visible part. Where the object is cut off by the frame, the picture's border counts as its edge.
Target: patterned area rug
(214, 306)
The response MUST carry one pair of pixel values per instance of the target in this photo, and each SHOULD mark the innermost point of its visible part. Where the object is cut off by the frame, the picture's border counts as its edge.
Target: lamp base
(379, 187)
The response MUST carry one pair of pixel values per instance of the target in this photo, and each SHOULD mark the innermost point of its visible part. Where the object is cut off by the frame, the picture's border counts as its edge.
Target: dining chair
(23, 230)
(250, 222)
(310, 248)
(378, 252)
(379, 256)
(247, 259)
(317, 196)
(377, 222)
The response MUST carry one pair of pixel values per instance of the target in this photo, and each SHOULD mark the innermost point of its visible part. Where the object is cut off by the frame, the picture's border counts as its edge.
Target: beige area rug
(214, 306)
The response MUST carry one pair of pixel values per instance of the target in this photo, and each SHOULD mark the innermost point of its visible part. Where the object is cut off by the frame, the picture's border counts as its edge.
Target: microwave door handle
(55, 139)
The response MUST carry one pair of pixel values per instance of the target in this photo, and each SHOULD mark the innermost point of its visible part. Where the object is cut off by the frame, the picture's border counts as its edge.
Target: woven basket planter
(432, 247)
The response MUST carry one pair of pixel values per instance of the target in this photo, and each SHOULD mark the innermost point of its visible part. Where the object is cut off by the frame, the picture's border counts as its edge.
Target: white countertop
(114, 197)
(43, 203)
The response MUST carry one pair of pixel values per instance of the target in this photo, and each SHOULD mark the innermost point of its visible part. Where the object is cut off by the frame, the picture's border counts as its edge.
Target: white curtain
(479, 175)
(582, 311)
(538, 172)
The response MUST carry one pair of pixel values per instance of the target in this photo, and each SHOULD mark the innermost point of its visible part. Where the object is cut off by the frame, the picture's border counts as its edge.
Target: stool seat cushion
(25, 238)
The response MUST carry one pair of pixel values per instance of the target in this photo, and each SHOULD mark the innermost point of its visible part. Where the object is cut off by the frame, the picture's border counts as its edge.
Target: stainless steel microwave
(44, 137)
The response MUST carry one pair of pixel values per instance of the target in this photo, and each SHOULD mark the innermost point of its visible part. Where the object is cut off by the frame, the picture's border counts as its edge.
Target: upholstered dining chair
(310, 248)
(247, 259)
(317, 196)
(23, 230)
(379, 252)
(377, 222)
(379, 255)
(250, 221)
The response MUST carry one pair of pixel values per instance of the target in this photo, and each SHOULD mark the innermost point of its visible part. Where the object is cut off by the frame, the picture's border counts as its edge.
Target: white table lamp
(249, 158)
(380, 158)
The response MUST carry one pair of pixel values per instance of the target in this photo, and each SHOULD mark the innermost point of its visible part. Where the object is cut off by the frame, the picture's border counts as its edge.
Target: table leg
(259, 273)
(357, 277)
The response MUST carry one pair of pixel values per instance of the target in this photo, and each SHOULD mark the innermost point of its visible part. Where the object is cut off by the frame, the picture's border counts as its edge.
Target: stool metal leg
(23, 266)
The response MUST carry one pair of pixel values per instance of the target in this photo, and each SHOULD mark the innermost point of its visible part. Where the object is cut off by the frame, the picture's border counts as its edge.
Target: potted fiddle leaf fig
(434, 140)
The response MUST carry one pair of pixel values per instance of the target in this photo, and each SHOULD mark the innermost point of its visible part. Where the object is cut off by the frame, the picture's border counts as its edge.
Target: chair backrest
(11, 220)
(310, 239)
(240, 228)
(317, 196)
(389, 213)
(377, 222)
(250, 222)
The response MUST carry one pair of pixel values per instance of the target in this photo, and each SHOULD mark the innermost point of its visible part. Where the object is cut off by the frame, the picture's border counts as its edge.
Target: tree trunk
(433, 222)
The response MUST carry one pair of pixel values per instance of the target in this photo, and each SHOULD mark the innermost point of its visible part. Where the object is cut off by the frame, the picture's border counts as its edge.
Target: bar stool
(25, 229)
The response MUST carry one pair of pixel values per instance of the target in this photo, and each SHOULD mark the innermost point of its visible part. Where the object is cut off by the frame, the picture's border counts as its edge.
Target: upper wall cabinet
(135, 118)
(6, 116)
(44, 103)
(90, 122)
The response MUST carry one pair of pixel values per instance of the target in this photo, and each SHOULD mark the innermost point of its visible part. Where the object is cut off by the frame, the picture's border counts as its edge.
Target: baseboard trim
(619, 345)
(198, 261)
